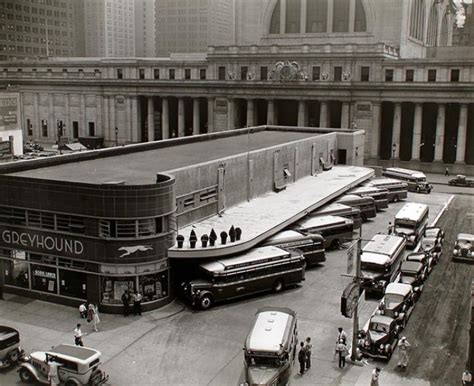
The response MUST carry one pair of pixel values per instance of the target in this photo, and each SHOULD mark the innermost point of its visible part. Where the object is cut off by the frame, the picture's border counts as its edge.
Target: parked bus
(334, 229)
(411, 222)
(380, 195)
(397, 190)
(311, 246)
(366, 204)
(380, 262)
(342, 210)
(258, 270)
(270, 347)
(416, 180)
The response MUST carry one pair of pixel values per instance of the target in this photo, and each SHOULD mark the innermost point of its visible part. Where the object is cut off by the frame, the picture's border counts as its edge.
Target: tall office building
(145, 28)
(464, 36)
(192, 25)
(109, 28)
(40, 28)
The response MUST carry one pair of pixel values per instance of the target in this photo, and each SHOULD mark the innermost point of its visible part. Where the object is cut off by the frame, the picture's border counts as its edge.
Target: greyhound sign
(127, 251)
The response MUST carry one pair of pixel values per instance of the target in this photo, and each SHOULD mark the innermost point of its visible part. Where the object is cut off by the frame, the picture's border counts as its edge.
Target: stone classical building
(382, 66)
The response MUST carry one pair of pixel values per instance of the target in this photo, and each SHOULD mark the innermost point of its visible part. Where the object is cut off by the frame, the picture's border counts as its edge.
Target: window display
(114, 287)
(16, 271)
(43, 278)
(154, 286)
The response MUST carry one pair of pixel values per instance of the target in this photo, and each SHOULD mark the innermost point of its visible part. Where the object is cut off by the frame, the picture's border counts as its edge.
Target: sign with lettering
(45, 274)
(8, 112)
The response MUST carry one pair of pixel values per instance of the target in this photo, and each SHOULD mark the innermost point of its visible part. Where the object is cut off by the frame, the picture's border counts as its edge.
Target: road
(179, 345)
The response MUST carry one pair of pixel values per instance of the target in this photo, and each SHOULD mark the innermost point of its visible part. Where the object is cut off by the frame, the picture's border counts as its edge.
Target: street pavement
(178, 345)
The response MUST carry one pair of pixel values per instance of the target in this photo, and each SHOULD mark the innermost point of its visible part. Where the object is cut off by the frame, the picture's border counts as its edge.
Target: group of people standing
(136, 298)
(304, 355)
(90, 313)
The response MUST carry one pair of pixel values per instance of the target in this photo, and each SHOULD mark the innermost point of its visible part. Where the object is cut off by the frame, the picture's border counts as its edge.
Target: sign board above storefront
(9, 111)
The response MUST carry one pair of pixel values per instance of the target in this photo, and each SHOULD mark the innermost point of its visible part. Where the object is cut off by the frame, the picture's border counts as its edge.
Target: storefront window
(73, 284)
(114, 287)
(43, 278)
(16, 270)
(154, 286)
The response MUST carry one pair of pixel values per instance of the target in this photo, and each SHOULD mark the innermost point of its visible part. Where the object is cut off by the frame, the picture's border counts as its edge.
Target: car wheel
(206, 302)
(14, 356)
(71, 382)
(25, 375)
(395, 199)
(278, 285)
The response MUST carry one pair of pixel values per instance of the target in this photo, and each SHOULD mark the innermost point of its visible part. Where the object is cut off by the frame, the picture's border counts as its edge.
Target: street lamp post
(394, 149)
(116, 136)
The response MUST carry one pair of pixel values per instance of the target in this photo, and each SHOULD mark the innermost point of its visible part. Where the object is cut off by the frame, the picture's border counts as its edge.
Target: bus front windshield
(372, 267)
(260, 360)
(405, 224)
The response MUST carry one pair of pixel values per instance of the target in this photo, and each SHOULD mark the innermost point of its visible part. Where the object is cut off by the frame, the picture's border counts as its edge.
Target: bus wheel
(335, 244)
(278, 285)
(395, 199)
(206, 301)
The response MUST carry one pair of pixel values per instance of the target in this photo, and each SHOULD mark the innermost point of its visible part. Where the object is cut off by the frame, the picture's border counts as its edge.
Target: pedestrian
(53, 374)
(93, 316)
(466, 378)
(341, 349)
(308, 346)
(302, 358)
(137, 303)
(126, 302)
(342, 336)
(375, 377)
(446, 172)
(83, 311)
(390, 228)
(78, 335)
(403, 346)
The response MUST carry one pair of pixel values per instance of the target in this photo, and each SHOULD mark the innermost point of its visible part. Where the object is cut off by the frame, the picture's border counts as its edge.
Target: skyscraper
(109, 28)
(145, 28)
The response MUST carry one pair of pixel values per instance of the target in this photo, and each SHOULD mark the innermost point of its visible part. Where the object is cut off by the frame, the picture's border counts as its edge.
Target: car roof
(79, 354)
(420, 255)
(411, 266)
(7, 332)
(383, 319)
(465, 236)
(398, 288)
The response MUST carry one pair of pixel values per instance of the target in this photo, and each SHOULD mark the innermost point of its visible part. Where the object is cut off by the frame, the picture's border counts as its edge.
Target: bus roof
(384, 244)
(386, 181)
(336, 209)
(367, 190)
(322, 221)
(349, 198)
(283, 235)
(413, 173)
(412, 211)
(270, 331)
(253, 256)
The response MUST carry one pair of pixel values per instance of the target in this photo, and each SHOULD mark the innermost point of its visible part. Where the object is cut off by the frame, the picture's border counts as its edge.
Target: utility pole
(355, 321)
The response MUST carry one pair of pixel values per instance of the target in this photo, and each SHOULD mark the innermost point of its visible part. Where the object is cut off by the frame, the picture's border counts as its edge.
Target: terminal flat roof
(141, 167)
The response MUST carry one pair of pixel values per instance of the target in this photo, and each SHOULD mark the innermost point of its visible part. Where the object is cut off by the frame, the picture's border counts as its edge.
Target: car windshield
(392, 300)
(258, 360)
(379, 327)
(420, 258)
(431, 233)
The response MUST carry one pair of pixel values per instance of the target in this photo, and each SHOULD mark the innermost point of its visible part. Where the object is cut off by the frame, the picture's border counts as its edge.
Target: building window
(364, 74)
(171, 73)
(316, 73)
(29, 128)
(119, 73)
(91, 129)
(72, 283)
(264, 73)
(154, 287)
(388, 75)
(409, 75)
(431, 75)
(202, 74)
(187, 73)
(244, 70)
(455, 75)
(132, 228)
(156, 73)
(44, 127)
(141, 73)
(16, 270)
(221, 72)
(337, 73)
(75, 129)
(43, 278)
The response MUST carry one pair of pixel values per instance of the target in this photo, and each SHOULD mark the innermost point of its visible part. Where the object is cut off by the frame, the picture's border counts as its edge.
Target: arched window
(432, 35)
(341, 16)
(417, 19)
(360, 22)
(275, 22)
(316, 16)
(293, 16)
(443, 39)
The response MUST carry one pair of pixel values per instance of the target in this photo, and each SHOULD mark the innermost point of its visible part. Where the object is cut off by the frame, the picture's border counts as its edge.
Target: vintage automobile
(413, 273)
(398, 302)
(434, 232)
(461, 180)
(464, 248)
(432, 246)
(10, 350)
(77, 366)
(381, 338)
(424, 258)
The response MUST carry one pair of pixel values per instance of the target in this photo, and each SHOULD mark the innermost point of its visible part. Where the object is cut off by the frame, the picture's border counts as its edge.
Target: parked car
(10, 350)
(464, 248)
(398, 302)
(432, 246)
(461, 180)
(413, 273)
(381, 338)
(435, 232)
(78, 366)
(424, 258)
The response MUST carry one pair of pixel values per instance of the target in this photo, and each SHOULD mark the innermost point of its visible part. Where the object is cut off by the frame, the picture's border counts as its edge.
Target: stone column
(375, 131)
(196, 116)
(345, 123)
(83, 117)
(105, 119)
(462, 128)
(165, 118)
(151, 119)
(282, 16)
(439, 138)
(230, 114)
(250, 112)
(67, 130)
(415, 149)
(52, 125)
(210, 115)
(112, 118)
(181, 128)
(270, 112)
(136, 137)
(323, 114)
(301, 113)
(330, 15)
(37, 119)
(351, 15)
(98, 116)
(397, 120)
(303, 17)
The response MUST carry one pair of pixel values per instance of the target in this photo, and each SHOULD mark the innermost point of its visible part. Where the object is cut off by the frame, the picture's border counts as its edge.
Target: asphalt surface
(181, 346)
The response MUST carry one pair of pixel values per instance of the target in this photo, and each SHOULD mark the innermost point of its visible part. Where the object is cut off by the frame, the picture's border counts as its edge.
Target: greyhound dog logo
(131, 250)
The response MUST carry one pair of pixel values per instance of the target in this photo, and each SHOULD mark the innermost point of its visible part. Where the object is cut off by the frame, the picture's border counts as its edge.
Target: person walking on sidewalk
(137, 303)
(374, 381)
(308, 346)
(302, 358)
(341, 349)
(93, 316)
(341, 336)
(446, 172)
(403, 346)
(78, 336)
